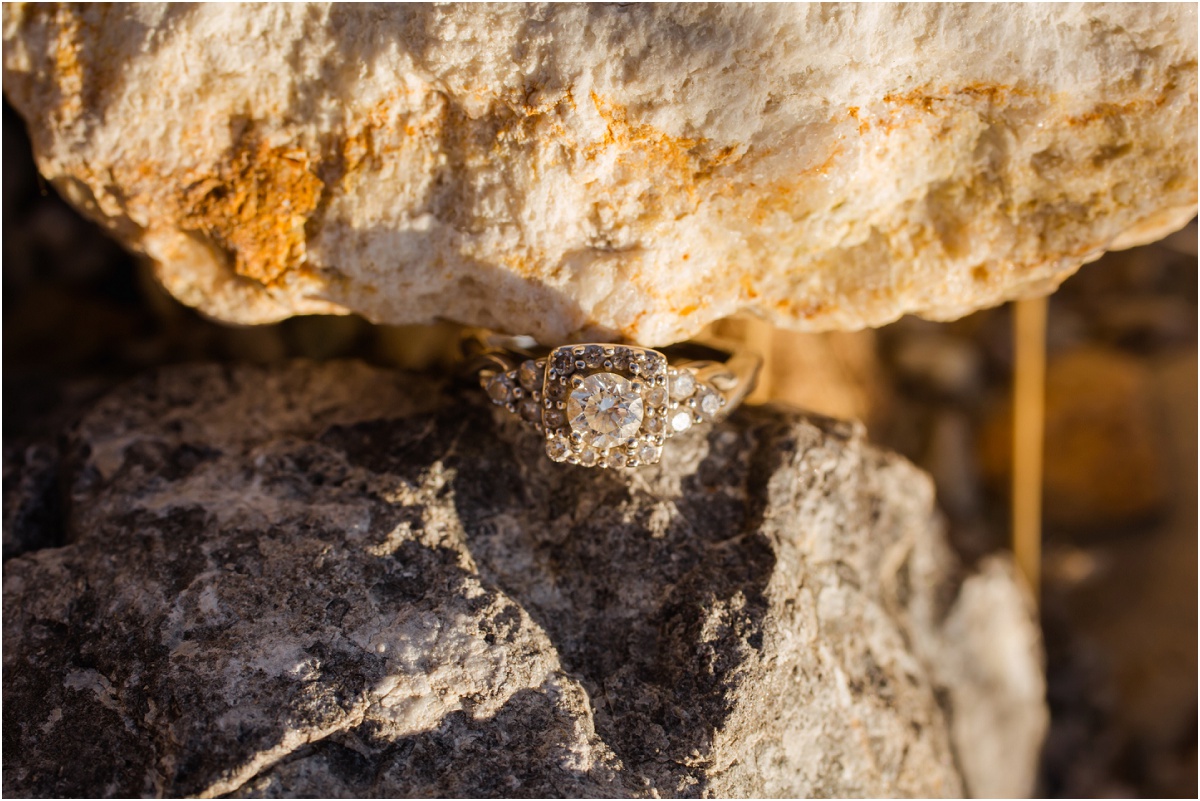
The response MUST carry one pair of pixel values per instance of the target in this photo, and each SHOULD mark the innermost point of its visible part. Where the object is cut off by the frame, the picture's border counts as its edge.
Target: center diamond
(606, 410)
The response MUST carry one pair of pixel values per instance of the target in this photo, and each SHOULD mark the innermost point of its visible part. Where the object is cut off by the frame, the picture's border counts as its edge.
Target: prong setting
(611, 406)
(636, 436)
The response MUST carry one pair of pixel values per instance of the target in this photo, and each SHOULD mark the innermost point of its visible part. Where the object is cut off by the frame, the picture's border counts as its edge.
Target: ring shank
(734, 378)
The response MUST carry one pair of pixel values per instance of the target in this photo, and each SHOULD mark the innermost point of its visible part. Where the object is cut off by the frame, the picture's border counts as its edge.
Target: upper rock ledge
(608, 170)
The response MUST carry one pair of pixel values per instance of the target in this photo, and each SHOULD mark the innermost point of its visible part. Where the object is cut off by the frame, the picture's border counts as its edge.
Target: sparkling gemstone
(563, 362)
(605, 410)
(654, 363)
(655, 425)
(593, 355)
(657, 397)
(589, 457)
(554, 418)
(499, 389)
(683, 384)
(530, 410)
(557, 450)
(710, 403)
(647, 453)
(681, 420)
(555, 390)
(617, 459)
(530, 375)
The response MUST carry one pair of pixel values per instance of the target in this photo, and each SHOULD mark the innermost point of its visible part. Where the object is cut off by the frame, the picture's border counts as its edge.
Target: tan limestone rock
(625, 171)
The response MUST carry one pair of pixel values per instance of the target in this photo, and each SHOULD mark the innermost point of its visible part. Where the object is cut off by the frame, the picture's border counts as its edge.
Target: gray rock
(334, 580)
(31, 513)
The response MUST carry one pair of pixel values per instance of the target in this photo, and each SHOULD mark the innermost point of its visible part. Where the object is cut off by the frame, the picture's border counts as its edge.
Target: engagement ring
(604, 405)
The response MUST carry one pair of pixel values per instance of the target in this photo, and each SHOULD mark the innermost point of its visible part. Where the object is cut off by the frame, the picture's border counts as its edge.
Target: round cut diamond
(558, 450)
(499, 389)
(605, 410)
(530, 376)
(657, 397)
(647, 453)
(563, 362)
(710, 404)
(681, 420)
(683, 384)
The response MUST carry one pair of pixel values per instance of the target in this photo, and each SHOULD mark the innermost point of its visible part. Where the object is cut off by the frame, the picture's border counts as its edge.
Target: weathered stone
(36, 409)
(336, 580)
(31, 507)
(999, 667)
(611, 170)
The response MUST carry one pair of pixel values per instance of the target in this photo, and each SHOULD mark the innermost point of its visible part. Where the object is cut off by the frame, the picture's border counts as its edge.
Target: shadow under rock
(653, 598)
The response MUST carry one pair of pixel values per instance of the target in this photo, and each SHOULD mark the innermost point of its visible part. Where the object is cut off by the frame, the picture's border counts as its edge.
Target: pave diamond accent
(563, 362)
(683, 384)
(558, 450)
(500, 389)
(709, 403)
(647, 453)
(605, 410)
(530, 375)
(555, 419)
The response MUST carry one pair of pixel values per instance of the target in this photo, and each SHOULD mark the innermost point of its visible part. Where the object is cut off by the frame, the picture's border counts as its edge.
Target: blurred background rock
(1120, 560)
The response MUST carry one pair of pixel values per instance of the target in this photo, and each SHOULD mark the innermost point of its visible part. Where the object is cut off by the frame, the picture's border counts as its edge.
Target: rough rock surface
(613, 169)
(337, 580)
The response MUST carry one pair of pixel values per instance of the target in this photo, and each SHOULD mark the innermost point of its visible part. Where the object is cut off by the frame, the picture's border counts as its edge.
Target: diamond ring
(606, 405)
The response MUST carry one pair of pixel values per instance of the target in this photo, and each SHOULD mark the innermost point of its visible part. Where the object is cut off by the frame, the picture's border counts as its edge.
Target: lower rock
(340, 581)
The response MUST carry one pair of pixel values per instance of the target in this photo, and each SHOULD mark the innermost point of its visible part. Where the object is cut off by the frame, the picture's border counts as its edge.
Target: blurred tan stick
(1029, 411)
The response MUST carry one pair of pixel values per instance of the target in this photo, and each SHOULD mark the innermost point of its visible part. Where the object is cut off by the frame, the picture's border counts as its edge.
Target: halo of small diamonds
(613, 402)
(602, 405)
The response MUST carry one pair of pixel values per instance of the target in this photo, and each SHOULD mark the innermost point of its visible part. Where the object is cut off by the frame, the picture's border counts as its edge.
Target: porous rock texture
(336, 580)
(613, 170)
